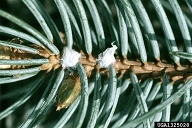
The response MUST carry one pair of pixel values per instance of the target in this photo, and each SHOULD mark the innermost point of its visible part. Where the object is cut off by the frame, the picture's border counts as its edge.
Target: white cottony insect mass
(69, 58)
(107, 57)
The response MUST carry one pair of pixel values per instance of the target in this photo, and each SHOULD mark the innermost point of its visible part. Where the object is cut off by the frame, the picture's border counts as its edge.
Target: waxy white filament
(107, 57)
(69, 58)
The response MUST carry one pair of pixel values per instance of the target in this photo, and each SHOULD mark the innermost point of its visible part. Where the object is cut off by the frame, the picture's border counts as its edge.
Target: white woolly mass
(107, 57)
(69, 58)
